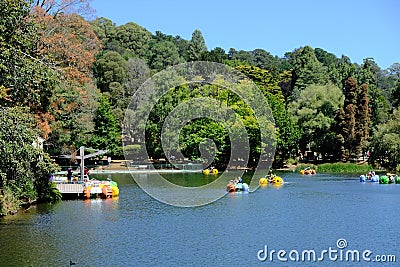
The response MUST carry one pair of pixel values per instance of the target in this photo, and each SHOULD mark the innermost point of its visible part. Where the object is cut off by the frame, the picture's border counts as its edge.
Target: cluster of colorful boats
(383, 179)
(103, 189)
(308, 171)
(237, 185)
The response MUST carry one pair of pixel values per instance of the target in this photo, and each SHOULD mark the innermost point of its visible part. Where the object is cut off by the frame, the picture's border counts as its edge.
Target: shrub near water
(24, 168)
(344, 167)
(338, 167)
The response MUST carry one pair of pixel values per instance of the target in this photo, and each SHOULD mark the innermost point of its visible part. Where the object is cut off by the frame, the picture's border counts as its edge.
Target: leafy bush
(24, 168)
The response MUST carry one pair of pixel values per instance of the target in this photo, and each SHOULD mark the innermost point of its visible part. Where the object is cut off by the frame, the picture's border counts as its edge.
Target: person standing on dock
(86, 172)
(69, 174)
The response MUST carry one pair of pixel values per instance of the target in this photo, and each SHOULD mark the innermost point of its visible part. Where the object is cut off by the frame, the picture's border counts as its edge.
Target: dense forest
(68, 80)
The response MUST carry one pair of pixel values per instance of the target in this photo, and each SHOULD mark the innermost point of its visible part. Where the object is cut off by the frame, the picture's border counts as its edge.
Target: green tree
(25, 78)
(106, 30)
(395, 95)
(138, 72)
(386, 143)
(197, 46)
(344, 70)
(288, 133)
(106, 134)
(195, 145)
(326, 58)
(265, 60)
(243, 57)
(379, 106)
(263, 78)
(183, 47)
(314, 113)
(163, 54)
(306, 70)
(368, 74)
(216, 55)
(134, 38)
(110, 67)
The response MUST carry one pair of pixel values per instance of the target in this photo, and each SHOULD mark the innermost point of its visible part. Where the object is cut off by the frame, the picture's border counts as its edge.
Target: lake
(322, 214)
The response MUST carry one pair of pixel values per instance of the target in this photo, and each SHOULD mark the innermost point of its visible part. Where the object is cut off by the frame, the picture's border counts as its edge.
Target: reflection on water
(136, 230)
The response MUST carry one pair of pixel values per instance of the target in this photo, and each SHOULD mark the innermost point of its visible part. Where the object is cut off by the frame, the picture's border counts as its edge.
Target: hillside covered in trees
(69, 81)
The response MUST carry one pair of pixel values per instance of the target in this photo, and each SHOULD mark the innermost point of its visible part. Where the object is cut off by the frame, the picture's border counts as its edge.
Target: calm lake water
(306, 213)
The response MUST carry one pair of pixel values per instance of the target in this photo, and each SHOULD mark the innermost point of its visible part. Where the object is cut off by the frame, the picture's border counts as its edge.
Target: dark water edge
(136, 230)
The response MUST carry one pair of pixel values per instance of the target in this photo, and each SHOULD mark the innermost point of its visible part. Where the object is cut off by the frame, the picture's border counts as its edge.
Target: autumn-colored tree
(346, 121)
(69, 44)
(362, 116)
(57, 7)
(353, 121)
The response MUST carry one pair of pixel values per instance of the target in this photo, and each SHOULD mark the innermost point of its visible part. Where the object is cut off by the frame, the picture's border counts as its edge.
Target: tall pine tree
(197, 46)
(346, 120)
(363, 119)
(353, 121)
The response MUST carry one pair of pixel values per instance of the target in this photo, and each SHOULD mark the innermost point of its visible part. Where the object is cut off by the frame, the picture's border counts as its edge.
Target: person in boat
(270, 175)
(391, 177)
(240, 180)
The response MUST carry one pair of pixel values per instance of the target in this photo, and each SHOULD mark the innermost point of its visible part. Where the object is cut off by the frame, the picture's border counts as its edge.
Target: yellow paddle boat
(210, 171)
(273, 180)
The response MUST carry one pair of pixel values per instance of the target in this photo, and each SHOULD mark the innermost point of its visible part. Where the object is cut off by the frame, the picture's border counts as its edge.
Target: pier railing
(70, 188)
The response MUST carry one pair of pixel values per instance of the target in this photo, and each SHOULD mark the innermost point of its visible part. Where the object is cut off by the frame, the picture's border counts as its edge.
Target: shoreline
(93, 172)
(119, 167)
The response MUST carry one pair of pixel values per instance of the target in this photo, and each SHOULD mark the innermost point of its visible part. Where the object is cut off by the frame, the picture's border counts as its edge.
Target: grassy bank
(338, 167)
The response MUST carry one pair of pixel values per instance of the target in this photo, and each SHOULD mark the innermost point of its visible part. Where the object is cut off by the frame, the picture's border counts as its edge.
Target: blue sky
(355, 28)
